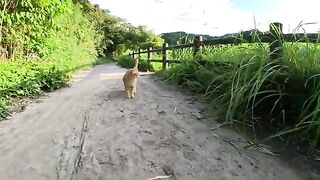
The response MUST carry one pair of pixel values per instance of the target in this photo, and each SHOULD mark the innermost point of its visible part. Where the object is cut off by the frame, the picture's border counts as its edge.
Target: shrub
(128, 62)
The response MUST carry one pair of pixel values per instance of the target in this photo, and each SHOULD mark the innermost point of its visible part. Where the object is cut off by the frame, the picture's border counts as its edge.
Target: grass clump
(281, 96)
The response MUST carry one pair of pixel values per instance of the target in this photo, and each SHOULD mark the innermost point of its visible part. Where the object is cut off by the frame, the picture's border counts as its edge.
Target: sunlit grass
(282, 95)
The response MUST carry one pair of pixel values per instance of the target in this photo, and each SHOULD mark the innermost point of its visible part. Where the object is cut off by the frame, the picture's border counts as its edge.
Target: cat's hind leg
(133, 92)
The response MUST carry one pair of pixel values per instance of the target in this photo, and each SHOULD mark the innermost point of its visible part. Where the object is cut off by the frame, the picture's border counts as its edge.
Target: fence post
(133, 54)
(164, 56)
(149, 55)
(276, 43)
(197, 44)
(139, 53)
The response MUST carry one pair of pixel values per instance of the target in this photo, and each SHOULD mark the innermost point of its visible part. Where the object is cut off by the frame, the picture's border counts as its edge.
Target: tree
(115, 35)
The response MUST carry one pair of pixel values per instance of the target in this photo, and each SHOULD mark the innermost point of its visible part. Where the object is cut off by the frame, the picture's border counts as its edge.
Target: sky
(216, 17)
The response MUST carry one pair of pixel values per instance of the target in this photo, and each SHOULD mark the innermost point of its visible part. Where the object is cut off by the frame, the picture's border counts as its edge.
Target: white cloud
(215, 17)
(293, 12)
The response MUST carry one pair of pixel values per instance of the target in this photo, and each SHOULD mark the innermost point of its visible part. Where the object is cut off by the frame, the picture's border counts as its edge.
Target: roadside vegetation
(277, 99)
(43, 42)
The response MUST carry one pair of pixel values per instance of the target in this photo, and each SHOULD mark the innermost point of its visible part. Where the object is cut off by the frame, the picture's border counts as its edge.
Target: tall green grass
(281, 96)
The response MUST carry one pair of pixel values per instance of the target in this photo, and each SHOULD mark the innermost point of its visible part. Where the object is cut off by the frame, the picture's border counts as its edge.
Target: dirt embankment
(90, 131)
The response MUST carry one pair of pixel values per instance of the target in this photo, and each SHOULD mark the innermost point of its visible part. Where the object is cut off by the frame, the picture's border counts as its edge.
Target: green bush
(144, 66)
(128, 62)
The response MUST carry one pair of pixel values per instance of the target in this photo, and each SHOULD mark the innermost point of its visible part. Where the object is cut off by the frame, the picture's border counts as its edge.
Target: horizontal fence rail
(274, 37)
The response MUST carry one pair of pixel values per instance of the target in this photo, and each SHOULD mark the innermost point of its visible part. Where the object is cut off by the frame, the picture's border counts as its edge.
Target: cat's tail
(136, 63)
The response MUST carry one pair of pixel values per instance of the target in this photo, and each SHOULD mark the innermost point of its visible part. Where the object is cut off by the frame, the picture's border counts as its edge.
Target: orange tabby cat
(130, 80)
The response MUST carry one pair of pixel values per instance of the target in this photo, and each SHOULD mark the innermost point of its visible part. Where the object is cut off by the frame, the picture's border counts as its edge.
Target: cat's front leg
(127, 94)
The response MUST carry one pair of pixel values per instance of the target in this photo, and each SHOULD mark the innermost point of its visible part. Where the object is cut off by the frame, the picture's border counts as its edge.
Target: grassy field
(280, 96)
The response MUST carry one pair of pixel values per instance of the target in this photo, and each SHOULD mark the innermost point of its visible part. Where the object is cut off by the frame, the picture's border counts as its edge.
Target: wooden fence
(274, 37)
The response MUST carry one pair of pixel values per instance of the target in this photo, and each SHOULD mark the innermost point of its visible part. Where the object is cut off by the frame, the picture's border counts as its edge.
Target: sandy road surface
(90, 131)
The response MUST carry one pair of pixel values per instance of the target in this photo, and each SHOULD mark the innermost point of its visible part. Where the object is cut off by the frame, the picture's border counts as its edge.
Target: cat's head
(134, 72)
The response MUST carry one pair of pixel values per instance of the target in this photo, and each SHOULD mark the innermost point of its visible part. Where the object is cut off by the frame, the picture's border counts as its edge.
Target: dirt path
(90, 131)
